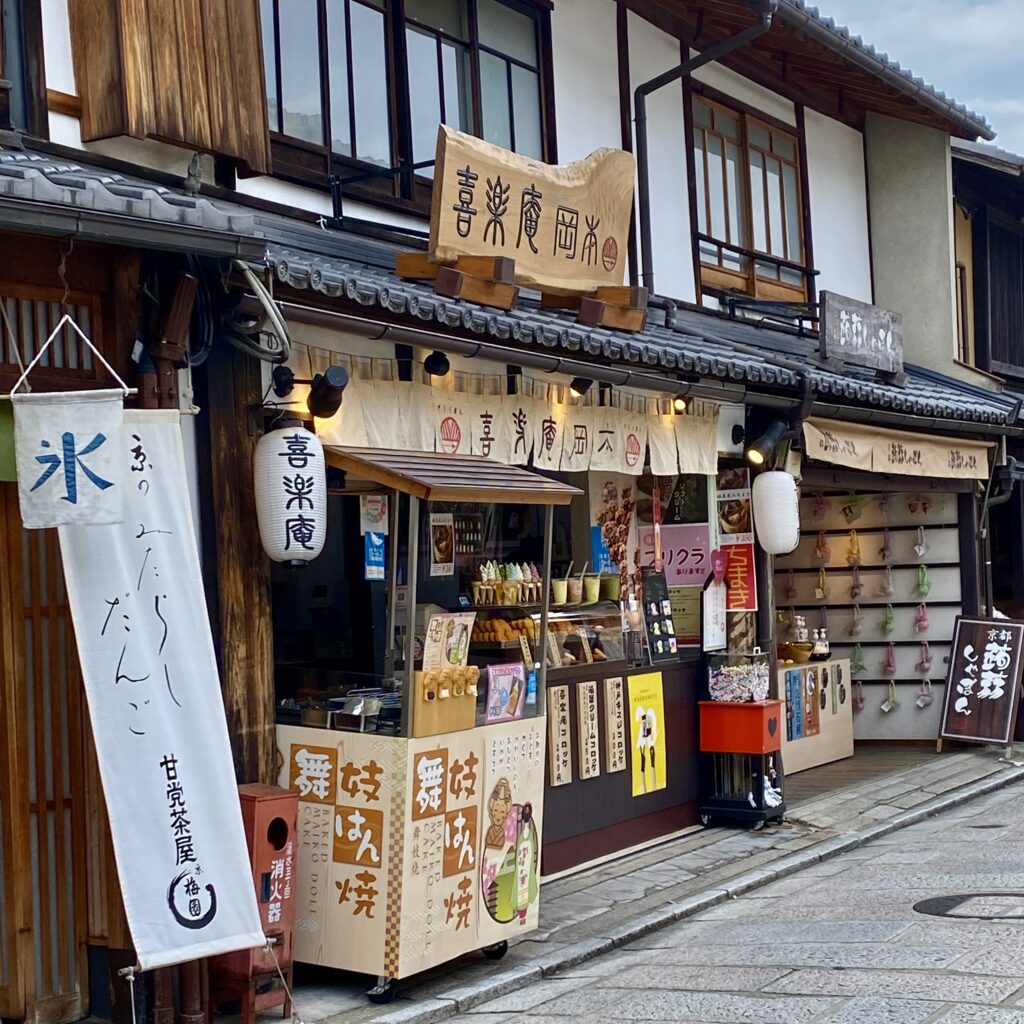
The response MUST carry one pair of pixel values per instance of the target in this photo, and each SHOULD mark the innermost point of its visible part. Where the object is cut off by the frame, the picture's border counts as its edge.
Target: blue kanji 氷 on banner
(374, 555)
(70, 455)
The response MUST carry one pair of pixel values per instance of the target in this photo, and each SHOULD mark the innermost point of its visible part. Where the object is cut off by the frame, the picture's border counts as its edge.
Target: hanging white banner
(620, 441)
(697, 443)
(578, 439)
(661, 438)
(136, 597)
(517, 413)
(67, 447)
(453, 429)
(548, 434)
(381, 413)
(347, 427)
(489, 434)
(417, 408)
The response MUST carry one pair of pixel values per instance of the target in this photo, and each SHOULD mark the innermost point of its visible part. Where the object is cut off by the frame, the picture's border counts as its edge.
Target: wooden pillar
(236, 568)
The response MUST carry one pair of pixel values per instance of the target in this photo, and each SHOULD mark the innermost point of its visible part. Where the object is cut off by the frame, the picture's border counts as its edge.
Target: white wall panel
(837, 188)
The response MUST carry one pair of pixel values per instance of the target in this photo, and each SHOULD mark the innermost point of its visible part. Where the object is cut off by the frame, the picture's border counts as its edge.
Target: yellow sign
(566, 226)
(860, 446)
(647, 733)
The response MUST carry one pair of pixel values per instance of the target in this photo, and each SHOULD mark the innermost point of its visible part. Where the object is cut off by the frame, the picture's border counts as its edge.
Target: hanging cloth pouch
(924, 694)
(824, 618)
(856, 587)
(924, 583)
(858, 695)
(887, 589)
(921, 547)
(853, 506)
(889, 665)
(821, 506)
(790, 586)
(885, 504)
(885, 551)
(853, 552)
(891, 702)
(888, 619)
(921, 619)
(857, 659)
(857, 622)
(821, 590)
(924, 661)
(821, 549)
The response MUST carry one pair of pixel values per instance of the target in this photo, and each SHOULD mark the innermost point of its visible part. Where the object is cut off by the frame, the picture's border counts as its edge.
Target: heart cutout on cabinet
(773, 724)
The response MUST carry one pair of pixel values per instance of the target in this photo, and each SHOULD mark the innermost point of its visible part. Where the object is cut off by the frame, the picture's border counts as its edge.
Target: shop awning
(434, 476)
(877, 450)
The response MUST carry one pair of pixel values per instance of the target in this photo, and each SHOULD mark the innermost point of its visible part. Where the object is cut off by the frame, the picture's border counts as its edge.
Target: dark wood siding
(1006, 296)
(189, 73)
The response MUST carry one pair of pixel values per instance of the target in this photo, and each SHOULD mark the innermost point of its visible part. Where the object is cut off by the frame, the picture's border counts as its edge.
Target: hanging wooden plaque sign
(566, 226)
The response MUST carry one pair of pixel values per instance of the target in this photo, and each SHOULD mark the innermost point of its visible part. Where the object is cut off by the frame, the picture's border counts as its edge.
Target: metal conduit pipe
(765, 9)
(378, 330)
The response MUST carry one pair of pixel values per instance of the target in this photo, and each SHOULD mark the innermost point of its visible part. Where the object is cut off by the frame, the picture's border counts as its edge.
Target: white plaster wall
(837, 189)
(746, 91)
(60, 73)
(650, 53)
(910, 195)
(585, 55)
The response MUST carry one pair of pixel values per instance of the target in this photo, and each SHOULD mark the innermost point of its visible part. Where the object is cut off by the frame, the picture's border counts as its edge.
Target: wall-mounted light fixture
(579, 386)
(437, 364)
(325, 389)
(764, 447)
(679, 404)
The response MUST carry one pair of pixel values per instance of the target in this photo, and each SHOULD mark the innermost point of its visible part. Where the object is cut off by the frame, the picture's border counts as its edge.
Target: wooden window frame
(720, 281)
(30, 84)
(314, 165)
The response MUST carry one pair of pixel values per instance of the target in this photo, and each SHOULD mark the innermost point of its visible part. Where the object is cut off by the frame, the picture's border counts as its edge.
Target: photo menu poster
(658, 622)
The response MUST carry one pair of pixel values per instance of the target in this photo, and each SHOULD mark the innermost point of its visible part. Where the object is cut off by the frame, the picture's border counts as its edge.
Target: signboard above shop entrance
(566, 226)
(859, 334)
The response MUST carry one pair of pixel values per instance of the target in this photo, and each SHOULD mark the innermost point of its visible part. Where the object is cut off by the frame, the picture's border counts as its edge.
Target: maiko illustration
(510, 861)
(647, 747)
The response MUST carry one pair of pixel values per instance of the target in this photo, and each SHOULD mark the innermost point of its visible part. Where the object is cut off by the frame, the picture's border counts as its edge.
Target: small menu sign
(662, 645)
(559, 737)
(983, 682)
(614, 725)
(588, 733)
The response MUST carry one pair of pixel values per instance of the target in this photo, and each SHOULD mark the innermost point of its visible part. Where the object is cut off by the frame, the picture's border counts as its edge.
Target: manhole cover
(975, 906)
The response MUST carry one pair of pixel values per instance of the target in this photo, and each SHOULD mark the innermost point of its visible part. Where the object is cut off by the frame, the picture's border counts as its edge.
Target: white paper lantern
(776, 512)
(291, 494)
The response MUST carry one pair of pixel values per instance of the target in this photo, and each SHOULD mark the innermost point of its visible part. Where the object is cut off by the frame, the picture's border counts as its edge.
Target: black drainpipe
(765, 10)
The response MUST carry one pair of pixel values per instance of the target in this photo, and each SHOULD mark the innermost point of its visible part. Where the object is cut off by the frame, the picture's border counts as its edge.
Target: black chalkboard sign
(658, 623)
(983, 681)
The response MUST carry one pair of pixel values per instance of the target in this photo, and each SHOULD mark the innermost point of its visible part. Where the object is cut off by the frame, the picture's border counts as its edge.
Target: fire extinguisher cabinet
(269, 815)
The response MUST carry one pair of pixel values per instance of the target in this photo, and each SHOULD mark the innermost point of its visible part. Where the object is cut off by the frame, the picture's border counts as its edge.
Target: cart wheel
(383, 991)
(759, 825)
(495, 952)
(705, 820)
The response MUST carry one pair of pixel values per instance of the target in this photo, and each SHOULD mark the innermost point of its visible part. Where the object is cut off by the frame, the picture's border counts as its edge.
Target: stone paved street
(838, 942)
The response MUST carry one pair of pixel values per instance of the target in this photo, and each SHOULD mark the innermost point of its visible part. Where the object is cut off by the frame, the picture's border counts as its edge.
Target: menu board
(447, 642)
(559, 737)
(662, 645)
(587, 733)
(614, 725)
(983, 683)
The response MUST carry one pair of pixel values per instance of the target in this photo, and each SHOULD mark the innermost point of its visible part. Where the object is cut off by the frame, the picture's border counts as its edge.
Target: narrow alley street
(838, 942)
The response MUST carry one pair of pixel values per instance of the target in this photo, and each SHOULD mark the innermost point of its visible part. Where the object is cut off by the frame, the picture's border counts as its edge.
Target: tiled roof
(706, 346)
(795, 12)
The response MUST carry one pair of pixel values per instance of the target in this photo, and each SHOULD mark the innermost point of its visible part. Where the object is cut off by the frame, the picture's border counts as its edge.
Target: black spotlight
(579, 386)
(679, 404)
(764, 447)
(325, 390)
(436, 364)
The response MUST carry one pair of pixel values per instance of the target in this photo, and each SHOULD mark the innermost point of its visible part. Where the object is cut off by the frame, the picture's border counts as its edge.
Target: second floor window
(369, 80)
(749, 210)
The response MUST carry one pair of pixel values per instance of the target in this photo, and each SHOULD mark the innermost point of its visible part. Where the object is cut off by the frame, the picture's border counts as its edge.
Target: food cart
(421, 798)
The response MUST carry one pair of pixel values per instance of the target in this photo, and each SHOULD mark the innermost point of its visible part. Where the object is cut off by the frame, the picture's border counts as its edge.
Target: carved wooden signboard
(565, 226)
(983, 682)
(861, 334)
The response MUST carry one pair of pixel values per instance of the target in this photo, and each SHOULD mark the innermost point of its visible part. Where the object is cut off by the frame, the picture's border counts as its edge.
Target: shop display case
(577, 634)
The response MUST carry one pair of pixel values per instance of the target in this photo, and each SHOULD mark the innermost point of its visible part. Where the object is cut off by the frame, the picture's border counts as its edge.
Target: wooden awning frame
(435, 476)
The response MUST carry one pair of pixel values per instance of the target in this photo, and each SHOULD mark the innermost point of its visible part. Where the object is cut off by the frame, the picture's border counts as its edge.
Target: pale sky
(973, 50)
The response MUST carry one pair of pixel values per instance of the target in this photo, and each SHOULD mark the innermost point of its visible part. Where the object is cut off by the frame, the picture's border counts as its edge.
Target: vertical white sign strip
(136, 597)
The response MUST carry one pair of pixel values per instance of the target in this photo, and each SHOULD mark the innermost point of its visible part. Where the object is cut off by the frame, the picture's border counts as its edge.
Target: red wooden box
(752, 727)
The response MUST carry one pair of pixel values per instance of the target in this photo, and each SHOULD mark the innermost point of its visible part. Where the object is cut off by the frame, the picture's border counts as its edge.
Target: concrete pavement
(838, 942)
(592, 914)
